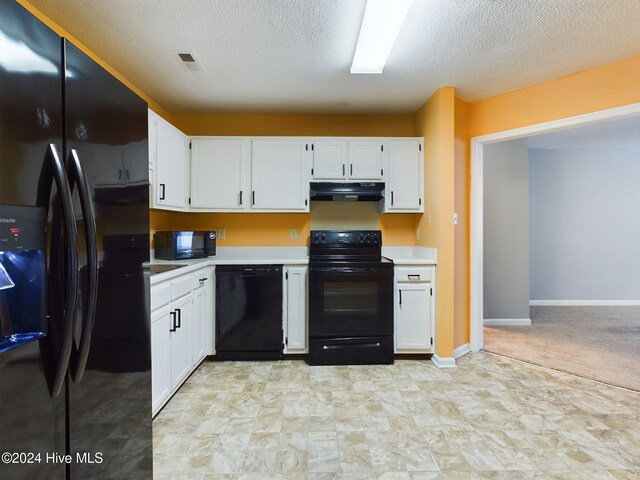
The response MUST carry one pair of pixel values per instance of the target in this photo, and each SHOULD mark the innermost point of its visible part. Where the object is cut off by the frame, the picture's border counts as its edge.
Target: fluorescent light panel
(380, 26)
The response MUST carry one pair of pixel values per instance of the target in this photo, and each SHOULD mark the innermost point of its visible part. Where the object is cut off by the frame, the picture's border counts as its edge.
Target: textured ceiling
(295, 55)
(618, 134)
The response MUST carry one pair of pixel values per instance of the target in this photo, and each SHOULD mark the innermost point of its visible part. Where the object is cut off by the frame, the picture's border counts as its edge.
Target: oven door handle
(345, 270)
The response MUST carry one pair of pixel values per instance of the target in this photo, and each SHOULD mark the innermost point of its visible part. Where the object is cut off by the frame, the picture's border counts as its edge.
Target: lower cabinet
(295, 309)
(181, 321)
(181, 328)
(414, 310)
(204, 299)
(160, 360)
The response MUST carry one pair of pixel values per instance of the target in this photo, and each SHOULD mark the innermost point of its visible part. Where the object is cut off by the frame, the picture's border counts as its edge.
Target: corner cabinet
(295, 321)
(280, 174)
(171, 165)
(404, 191)
(414, 309)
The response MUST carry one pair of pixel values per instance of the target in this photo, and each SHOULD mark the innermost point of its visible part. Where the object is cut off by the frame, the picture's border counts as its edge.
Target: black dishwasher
(249, 312)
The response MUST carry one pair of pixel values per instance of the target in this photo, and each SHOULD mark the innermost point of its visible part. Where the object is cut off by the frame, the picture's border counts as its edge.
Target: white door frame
(476, 239)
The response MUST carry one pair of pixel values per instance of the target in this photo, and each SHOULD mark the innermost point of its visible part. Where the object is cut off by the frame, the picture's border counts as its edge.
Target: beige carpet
(600, 343)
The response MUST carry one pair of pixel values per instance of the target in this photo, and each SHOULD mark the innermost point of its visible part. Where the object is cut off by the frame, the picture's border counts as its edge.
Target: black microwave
(184, 245)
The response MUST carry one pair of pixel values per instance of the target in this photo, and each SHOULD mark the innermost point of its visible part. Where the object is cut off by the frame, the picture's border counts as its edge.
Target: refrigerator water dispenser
(22, 275)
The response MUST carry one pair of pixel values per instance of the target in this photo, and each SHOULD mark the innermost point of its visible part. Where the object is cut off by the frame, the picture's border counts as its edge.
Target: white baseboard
(577, 303)
(443, 362)
(461, 350)
(504, 322)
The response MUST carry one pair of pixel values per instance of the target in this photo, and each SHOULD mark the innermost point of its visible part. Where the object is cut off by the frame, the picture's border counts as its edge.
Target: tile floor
(490, 418)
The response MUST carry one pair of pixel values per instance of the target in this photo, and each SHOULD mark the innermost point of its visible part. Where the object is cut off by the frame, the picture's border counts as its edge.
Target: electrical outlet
(293, 233)
(417, 233)
(222, 233)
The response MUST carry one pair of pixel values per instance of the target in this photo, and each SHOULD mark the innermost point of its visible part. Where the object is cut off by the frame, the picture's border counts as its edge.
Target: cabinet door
(160, 357)
(406, 179)
(296, 309)
(365, 160)
(199, 320)
(181, 341)
(171, 167)
(413, 317)
(218, 173)
(153, 130)
(279, 174)
(153, 136)
(330, 159)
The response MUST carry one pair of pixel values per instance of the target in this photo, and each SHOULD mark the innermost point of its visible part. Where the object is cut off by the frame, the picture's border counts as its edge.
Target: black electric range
(350, 299)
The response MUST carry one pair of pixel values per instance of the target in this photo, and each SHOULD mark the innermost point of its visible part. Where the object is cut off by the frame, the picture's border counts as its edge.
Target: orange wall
(294, 124)
(600, 88)
(69, 36)
(272, 229)
(435, 121)
(461, 333)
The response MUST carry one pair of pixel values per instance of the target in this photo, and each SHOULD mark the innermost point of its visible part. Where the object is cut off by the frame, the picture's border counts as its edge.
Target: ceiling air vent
(189, 61)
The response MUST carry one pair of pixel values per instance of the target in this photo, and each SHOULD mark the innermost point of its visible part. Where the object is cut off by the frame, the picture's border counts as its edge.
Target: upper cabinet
(220, 170)
(279, 174)
(330, 159)
(366, 160)
(172, 153)
(271, 174)
(348, 159)
(404, 190)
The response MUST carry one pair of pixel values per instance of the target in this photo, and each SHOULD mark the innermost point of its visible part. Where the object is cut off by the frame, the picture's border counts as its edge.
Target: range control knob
(323, 237)
(374, 238)
(361, 237)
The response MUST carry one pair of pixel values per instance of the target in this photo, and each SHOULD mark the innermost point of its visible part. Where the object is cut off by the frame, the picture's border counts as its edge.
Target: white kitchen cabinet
(181, 339)
(366, 159)
(280, 174)
(330, 159)
(153, 138)
(181, 330)
(414, 310)
(220, 174)
(160, 358)
(405, 180)
(171, 167)
(203, 337)
(295, 308)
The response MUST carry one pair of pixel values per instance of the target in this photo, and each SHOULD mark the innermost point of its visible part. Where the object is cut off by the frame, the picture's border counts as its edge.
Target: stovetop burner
(352, 246)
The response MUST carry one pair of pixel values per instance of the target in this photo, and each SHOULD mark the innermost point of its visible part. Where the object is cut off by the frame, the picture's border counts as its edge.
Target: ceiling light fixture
(380, 26)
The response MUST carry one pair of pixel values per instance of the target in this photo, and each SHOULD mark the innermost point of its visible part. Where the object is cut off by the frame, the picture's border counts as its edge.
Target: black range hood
(346, 192)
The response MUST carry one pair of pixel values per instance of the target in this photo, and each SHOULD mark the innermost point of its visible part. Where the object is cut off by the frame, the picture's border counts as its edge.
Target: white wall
(584, 224)
(506, 230)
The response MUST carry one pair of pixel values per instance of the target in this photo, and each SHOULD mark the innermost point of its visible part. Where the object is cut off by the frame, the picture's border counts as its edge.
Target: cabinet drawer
(200, 274)
(160, 296)
(182, 286)
(417, 274)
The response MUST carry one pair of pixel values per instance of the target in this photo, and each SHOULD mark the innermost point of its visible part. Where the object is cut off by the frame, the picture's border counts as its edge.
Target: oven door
(350, 301)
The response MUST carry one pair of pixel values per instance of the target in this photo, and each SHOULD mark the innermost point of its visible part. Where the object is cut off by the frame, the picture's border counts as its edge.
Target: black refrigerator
(75, 362)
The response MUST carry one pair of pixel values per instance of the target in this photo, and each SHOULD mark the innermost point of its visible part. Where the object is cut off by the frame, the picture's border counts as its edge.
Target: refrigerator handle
(76, 176)
(53, 170)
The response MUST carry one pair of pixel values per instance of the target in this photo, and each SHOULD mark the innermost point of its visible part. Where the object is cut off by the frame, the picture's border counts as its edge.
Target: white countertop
(280, 256)
(411, 255)
(235, 256)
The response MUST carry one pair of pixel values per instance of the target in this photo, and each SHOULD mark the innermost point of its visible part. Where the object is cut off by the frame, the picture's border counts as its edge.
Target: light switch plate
(455, 218)
(222, 233)
(417, 233)
(293, 233)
